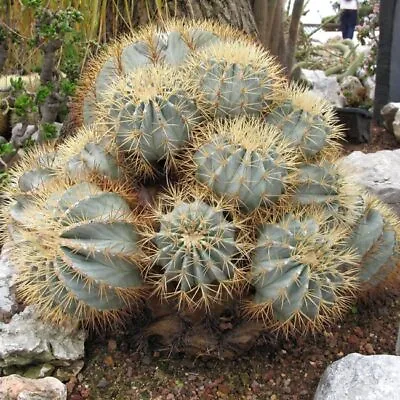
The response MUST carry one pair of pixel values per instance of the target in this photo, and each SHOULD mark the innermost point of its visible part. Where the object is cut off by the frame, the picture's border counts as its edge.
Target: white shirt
(348, 5)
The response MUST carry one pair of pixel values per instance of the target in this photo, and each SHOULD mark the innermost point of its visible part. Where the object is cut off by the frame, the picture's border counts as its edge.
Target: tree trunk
(276, 26)
(293, 32)
(264, 19)
(49, 61)
(262, 14)
(237, 13)
(3, 54)
(4, 41)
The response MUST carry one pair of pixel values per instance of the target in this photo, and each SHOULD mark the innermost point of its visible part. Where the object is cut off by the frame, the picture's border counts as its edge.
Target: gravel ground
(381, 139)
(279, 369)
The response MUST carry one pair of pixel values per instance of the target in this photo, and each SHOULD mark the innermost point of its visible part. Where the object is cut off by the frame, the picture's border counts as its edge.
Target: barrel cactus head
(329, 186)
(150, 117)
(79, 257)
(233, 78)
(301, 273)
(307, 122)
(89, 154)
(243, 161)
(31, 173)
(375, 239)
(196, 249)
(36, 166)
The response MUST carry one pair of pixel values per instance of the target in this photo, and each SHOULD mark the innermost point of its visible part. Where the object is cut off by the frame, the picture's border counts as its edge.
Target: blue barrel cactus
(200, 192)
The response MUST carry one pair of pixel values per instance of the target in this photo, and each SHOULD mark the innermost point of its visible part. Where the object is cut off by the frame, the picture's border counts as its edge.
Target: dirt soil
(280, 369)
(381, 139)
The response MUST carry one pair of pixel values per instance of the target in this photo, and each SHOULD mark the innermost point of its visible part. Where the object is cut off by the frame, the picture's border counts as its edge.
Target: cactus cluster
(336, 57)
(200, 182)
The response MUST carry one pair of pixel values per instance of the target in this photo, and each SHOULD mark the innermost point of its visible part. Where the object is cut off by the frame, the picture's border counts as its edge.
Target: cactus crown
(297, 274)
(231, 78)
(242, 160)
(81, 257)
(197, 247)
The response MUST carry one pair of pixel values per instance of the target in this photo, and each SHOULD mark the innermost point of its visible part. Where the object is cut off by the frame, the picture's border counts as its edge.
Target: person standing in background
(348, 17)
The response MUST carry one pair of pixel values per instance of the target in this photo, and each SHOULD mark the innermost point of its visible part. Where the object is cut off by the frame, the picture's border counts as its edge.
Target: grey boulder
(358, 377)
(388, 113)
(7, 299)
(323, 86)
(353, 88)
(15, 387)
(28, 340)
(396, 126)
(378, 172)
(370, 84)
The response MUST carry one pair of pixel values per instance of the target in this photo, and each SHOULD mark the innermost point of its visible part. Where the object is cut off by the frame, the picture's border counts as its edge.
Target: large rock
(358, 377)
(323, 86)
(353, 90)
(396, 126)
(28, 340)
(15, 387)
(7, 299)
(388, 113)
(29, 346)
(378, 172)
(20, 133)
(370, 85)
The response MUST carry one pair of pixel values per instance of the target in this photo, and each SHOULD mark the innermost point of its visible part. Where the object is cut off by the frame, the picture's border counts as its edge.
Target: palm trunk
(293, 32)
(237, 13)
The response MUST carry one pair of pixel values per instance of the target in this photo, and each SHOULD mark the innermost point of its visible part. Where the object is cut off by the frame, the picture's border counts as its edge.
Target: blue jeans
(348, 21)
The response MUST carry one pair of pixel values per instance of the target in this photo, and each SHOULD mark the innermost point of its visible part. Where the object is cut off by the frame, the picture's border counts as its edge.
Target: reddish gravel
(284, 369)
(381, 139)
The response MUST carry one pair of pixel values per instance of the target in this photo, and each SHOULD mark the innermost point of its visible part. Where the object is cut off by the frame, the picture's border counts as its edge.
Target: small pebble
(146, 360)
(85, 391)
(135, 357)
(71, 384)
(358, 331)
(102, 383)
(109, 361)
(112, 346)
(353, 339)
(369, 348)
(268, 375)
